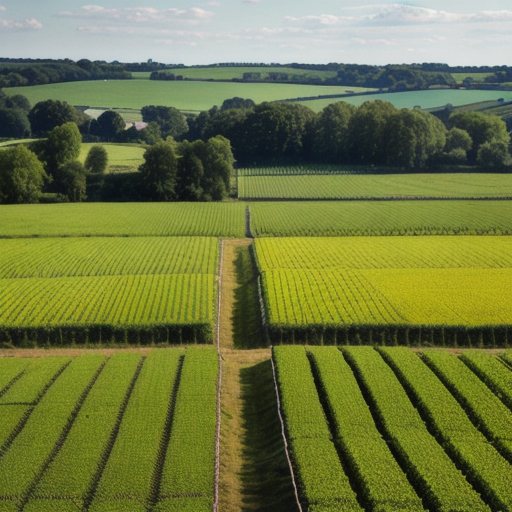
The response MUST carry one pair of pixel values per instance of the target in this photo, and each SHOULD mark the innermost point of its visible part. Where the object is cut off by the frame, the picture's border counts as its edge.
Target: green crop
(10, 369)
(70, 257)
(383, 483)
(189, 467)
(123, 219)
(435, 476)
(493, 372)
(26, 457)
(485, 409)
(391, 186)
(71, 474)
(324, 486)
(382, 218)
(129, 472)
(483, 466)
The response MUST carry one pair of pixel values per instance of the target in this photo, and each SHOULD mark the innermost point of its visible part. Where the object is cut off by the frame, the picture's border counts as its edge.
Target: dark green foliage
(49, 114)
(159, 172)
(70, 181)
(494, 157)
(22, 176)
(14, 123)
(108, 125)
(97, 160)
(171, 121)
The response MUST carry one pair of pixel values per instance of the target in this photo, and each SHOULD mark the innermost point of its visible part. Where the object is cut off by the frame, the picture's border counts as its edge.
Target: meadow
(183, 95)
(427, 99)
(435, 458)
(345, 186)
(129, 431)
(121, 157)
(317, 290)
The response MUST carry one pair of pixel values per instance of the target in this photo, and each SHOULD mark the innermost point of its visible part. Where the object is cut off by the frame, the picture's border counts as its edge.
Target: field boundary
(283, 432)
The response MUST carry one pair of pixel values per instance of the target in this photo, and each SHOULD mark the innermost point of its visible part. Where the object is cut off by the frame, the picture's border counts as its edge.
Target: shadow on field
(266, 481)
(247, 325)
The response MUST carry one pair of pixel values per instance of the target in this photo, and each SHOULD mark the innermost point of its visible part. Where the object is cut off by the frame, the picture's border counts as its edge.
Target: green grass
(424, 99)
(183, 95)
(477, 77)
(121, 157)
(228, 72)
(374, 186)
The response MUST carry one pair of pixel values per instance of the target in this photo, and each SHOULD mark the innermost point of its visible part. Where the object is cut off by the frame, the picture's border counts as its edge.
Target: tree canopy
(22, 176)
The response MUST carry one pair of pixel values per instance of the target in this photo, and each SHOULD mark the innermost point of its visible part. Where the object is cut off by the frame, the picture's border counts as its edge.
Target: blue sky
(466, 32)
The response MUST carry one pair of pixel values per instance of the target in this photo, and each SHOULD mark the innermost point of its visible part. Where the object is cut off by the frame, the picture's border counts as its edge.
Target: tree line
(191, 157)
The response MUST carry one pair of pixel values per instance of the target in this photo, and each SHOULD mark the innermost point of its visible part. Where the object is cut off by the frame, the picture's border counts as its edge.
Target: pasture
(131, 432)
(121, 157)
(183, 95)
(424, 99)
(347, 186)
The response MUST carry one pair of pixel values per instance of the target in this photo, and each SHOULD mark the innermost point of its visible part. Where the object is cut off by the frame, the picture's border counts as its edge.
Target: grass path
(254, 474)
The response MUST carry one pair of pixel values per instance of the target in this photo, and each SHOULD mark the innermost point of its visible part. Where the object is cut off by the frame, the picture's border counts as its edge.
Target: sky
(191, 32)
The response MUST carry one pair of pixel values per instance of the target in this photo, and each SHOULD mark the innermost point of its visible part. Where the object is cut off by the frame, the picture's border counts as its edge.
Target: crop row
(330, 185)
(493, 372)
(428, 297)
(342, 253)
(67, 257)
(360, 397)
(479, 402)
(284, 218)
(323, 484)
(485, 468)
(383, 485)
(369, 218)
(123, 219)
(121, 303)
(121, 433)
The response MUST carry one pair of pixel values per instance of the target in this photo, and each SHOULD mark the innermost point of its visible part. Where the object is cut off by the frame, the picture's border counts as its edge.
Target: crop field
(127, 432)
(121, 157)
(324, 186)
(425, 99)
(338, 406)
(386, 290)
(108, 289)
(183, 95)
(383, 218)
(123, 219)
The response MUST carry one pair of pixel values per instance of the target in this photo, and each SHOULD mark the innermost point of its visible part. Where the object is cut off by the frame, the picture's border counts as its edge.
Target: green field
(121, 157)
(120, 289)
(477, 77)
(349, 218)
(232, 72)
(336, 439)
(424, 99)
(341, 283)
(183, 95)
(123, 219)
(99, 436)
(303, 186)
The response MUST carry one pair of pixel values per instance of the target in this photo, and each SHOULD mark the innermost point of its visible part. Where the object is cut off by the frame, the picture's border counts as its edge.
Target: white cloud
(27, 24)
(141, 15)
(3, 8)
(397, 14)
(251, 1)
(214, 4)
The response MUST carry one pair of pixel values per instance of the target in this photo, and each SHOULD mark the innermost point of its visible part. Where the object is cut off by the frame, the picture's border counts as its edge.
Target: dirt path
(252, 461)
